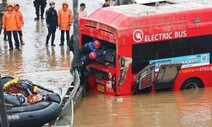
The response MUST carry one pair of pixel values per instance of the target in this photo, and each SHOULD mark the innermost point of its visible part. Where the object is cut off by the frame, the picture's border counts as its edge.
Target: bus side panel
(202, 73)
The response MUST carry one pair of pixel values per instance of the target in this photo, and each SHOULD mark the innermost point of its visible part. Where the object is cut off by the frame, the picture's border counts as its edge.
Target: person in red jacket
(11, 24)
(64, 22)
(21, 20)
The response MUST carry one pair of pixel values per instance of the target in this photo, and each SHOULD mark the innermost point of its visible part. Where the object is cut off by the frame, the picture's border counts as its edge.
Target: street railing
(4, 119)
(67, 115)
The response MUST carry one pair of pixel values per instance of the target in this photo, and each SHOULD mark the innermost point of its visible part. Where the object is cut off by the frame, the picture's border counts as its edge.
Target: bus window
(142, 53)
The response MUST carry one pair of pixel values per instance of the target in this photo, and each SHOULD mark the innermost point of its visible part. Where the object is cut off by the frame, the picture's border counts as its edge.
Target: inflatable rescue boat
(29, 105)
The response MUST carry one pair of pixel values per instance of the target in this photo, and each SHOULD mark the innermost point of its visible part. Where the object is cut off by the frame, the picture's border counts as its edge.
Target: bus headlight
(109, 84)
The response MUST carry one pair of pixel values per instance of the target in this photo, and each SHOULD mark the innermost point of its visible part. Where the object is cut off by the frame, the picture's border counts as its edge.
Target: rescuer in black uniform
(90, 47)
(39, 6)
(88, 53)
(52, 23)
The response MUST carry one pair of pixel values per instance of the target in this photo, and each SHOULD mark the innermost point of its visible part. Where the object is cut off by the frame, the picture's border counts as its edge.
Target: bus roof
(124, 16)
(159, 6)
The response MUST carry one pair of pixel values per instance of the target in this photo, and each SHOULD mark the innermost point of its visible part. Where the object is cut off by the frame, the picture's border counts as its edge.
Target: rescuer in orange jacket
(21, 21)
(11, 25)
(64, 22)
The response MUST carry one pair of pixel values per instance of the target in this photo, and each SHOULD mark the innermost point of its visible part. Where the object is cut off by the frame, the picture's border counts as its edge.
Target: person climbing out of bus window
(21, 20)
(88, 54)
(106, 4)
(52, 23)
(85, 51)
(65, 22)
(90, 47)
(11, 24)
(82, 68)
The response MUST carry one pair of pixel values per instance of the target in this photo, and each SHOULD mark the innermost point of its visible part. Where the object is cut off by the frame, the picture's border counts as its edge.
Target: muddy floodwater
(49, 66)
(165, 109)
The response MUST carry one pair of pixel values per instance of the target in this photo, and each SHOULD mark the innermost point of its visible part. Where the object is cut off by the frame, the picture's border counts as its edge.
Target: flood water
(49, 66)
(165, 109)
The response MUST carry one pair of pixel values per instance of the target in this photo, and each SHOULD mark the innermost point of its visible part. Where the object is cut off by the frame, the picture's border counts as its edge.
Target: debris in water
(119, 100)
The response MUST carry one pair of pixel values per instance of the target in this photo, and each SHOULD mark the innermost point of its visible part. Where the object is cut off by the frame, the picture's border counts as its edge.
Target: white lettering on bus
(180, 34)
(157, 37)
(163, 36)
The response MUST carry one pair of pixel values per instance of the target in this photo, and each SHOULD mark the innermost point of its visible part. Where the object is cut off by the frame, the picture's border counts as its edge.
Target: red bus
(139, 36)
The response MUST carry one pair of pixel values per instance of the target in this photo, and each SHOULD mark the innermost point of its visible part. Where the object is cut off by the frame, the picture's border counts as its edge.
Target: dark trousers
(5, 35)
(20, 33)
(39, 8)
(15, 35)
(62, 39)
(51, 32)
(21, 36)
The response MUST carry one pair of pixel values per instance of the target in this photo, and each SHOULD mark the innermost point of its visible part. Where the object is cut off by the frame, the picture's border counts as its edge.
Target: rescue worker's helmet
(51, 3)
(97, 44)
(92, 55)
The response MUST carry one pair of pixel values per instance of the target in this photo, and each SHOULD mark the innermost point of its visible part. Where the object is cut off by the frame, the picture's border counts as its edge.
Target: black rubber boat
(29, 105)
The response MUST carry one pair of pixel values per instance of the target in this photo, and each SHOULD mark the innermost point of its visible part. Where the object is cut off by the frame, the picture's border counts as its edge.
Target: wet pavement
(49, 66)
(41, 64)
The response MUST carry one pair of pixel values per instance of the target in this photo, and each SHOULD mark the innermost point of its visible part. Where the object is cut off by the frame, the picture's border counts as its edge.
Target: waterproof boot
(61, 43)
(47, 44)
(21, 40)
(52, 40)
(37, 18)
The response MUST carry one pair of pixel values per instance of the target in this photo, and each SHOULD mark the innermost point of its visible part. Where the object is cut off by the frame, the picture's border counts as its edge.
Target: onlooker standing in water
(39, 6)
(11, 25)
(64, 22)
(82, 11)
(21, 20)
(51, 22)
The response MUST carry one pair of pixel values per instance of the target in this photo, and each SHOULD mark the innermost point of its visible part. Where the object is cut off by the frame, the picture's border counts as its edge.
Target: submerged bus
(152, 45)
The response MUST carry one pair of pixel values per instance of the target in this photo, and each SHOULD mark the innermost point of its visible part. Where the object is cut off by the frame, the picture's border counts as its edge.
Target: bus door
(164, 79)
(166, 76)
